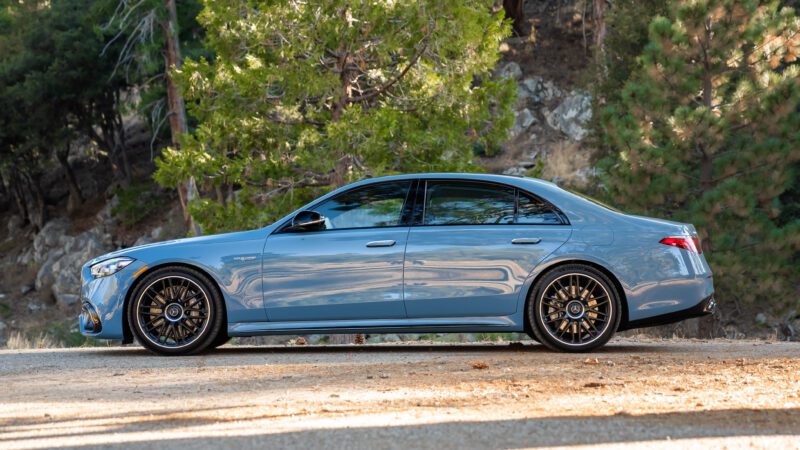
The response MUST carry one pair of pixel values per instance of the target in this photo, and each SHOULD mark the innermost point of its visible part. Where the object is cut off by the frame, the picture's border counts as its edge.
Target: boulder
(522, 122)
(60, 271)
(571, 115)
(510, 70)
(52, 235)
(539, 90)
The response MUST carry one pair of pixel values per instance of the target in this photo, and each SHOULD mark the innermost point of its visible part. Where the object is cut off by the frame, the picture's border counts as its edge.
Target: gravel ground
(633, 393)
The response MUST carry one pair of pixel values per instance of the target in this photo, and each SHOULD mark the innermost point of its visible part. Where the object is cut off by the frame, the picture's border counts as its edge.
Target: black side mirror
(308, 221)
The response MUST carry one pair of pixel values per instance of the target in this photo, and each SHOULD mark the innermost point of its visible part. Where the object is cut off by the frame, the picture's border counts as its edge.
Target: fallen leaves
(479, 365)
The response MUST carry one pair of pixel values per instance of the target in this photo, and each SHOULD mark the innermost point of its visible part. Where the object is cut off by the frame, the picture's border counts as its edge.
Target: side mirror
(308, 221)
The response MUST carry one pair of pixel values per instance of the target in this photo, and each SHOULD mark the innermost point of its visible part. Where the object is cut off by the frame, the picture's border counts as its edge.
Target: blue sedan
(428, 253)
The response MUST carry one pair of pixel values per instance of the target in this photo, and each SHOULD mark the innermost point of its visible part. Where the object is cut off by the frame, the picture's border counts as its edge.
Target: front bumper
(103, 302)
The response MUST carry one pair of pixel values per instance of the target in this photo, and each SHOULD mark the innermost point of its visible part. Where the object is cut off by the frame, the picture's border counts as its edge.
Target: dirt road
(654, 393)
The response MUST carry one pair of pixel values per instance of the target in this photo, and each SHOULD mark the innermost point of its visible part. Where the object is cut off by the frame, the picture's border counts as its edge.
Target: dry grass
(18, 341)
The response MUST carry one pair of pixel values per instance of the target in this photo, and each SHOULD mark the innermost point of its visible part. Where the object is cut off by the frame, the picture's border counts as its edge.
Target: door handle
(387, 243)
(524, 241)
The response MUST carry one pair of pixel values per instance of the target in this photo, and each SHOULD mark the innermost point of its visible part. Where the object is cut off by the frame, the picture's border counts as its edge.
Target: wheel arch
(617, 285)
(127, 333)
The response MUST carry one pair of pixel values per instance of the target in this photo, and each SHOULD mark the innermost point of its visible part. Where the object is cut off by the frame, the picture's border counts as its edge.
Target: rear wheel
(176, 311)
(574, 308)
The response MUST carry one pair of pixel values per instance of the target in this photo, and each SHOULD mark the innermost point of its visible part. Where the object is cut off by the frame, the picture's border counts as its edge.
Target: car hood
(140, 251)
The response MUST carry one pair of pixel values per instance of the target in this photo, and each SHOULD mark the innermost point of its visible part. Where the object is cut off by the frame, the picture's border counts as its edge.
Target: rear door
(475, 247)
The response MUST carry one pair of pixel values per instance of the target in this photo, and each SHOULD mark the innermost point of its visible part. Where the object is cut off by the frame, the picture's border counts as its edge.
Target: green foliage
(54, 86)
(705, 131)
(137, 202)
(305, 96)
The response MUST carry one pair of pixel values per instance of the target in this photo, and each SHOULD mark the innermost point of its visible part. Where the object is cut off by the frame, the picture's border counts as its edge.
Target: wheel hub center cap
(174, 312)
(575, 309)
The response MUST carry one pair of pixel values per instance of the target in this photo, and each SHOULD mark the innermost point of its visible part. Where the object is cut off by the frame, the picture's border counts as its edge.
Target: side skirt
(439, 325)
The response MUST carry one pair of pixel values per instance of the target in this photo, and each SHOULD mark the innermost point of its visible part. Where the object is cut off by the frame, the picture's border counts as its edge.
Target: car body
(430, 253)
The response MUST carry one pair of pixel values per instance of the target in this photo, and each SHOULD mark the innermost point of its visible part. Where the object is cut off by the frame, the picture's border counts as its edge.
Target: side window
(535, 211)
(468, 203)
(369, 207)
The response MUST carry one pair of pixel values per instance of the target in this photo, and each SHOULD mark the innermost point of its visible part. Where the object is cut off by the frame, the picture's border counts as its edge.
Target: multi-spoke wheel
(574, 308)
(176, 311)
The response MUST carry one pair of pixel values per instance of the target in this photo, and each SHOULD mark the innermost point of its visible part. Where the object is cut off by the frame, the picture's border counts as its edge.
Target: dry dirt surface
(633, 394)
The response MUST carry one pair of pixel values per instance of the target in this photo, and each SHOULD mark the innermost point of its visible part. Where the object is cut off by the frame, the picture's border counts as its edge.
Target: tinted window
(466, 203)
(533, 210)
(373, 206)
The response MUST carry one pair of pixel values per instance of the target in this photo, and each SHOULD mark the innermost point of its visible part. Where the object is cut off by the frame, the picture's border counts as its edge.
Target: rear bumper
(706, 306)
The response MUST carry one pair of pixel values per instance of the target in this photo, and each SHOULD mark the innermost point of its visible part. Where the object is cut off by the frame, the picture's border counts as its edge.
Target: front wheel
(574, 308)
(176, 311)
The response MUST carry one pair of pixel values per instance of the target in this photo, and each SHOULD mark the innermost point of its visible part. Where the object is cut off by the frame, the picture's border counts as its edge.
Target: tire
(221, 339)
(177, 311)
(573, 308)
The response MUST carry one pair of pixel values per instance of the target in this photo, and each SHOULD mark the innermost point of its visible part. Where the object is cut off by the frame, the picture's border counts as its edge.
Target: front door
(477, 245)
(352, 269)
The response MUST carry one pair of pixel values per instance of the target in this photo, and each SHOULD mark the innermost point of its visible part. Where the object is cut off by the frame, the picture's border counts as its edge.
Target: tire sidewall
(209, 334)
(534, 318)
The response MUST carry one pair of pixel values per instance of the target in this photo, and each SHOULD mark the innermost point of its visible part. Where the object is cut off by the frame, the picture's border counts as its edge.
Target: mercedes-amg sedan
(428, 253)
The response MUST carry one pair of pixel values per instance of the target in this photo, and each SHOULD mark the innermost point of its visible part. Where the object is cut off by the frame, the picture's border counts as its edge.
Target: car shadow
(132, 350)
(643, 429)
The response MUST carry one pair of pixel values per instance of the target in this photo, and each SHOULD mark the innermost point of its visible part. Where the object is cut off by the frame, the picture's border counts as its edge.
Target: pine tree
(305, 96)
(706, 131)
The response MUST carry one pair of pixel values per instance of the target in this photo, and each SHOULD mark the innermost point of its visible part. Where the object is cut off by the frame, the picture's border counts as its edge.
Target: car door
(476, 245)
(351, 269)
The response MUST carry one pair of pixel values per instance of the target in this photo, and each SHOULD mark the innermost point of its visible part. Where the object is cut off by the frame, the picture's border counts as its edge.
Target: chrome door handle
(524, 241)
(387, 243)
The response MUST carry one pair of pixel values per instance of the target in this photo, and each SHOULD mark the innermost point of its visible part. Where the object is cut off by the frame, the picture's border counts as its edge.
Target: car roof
(506, 179)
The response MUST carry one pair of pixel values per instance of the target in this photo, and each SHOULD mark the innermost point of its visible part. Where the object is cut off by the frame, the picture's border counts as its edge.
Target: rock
(33, 307)
(67, 299)
(522, 122)
(14, 225)
(156, 233)
(571, 115)
(50, 237)
(761, 319)
(510, 70)
(540, 90)
(516, 171)
(25, 289)
(2, 326)
(26, 257)
(143, 240)
(60, 271)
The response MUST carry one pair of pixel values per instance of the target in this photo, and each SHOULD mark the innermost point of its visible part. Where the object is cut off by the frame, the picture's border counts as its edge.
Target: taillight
(685, 242)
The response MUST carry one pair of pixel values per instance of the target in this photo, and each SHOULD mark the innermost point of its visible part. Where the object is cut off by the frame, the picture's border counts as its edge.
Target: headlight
(110, 266)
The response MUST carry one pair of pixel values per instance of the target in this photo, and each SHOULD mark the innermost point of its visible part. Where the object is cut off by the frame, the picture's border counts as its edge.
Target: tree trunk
(17, 192)
(75, 196)
(187, 191)
(39, 218)
(515, 10)
(599, 27)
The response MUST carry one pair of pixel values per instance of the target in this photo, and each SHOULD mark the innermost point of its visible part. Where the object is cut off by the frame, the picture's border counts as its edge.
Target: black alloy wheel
(574, 308)
(176, 311)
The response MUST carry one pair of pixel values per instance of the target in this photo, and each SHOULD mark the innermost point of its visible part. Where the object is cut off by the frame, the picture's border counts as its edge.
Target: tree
(135, 24)
(304, 96)
(54, 89)
(706, 130)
